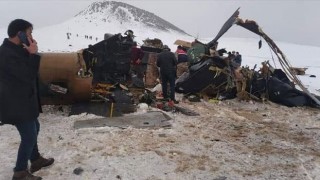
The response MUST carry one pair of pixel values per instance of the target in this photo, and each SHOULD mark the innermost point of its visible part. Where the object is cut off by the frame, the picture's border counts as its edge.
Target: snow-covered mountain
(106, 17)
(124, 14)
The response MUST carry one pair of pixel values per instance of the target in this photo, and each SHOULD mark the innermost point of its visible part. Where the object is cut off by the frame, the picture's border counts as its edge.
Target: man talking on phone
(19, 97)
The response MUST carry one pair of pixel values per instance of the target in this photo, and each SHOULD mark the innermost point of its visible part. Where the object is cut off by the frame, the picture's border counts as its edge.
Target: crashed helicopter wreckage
(216, 75)
(101, 74)
(90, 79)
(98, 79)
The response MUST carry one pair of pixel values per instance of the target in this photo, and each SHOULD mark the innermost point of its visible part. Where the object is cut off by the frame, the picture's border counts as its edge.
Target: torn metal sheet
(152, 120)
(102, 108)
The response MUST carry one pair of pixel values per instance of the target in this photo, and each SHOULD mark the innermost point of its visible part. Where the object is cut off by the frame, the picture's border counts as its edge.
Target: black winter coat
(19, 98)
(167, 62)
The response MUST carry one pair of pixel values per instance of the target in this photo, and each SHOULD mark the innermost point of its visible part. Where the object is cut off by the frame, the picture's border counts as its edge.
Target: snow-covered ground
(229, 140)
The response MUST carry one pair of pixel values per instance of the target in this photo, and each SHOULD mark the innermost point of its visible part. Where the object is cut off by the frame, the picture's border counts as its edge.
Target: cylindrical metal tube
(65, 70)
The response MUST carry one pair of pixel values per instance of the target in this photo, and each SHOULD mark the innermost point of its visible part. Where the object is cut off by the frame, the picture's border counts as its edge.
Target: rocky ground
(229, 140)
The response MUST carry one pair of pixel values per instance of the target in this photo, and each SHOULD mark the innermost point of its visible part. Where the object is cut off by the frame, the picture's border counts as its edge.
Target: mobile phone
(23, 38)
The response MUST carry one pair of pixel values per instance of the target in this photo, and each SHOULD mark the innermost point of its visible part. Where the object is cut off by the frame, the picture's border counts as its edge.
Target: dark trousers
(28, 149)
(165, 78)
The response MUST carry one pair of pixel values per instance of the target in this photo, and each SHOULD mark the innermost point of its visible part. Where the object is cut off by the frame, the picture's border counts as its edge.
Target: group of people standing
(236, 59)
(168, 62)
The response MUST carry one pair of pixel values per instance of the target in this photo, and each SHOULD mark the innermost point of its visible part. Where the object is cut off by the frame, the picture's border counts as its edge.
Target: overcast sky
(294, 21)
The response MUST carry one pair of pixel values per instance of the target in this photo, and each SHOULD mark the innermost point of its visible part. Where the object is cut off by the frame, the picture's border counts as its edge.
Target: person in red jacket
(181, 54)
(19, 95)
(136, 61)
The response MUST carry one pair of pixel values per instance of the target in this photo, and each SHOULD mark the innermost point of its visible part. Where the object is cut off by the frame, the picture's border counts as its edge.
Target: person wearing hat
(129, 34)
(167, 62)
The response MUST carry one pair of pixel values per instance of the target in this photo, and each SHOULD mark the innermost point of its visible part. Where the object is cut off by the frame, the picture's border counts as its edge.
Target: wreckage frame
(100, 76)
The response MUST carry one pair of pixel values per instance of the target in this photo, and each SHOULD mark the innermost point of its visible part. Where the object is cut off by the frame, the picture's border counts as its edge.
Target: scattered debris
(183, 43)
(78, 171)
(152, 45)
(220, 178)
(185, 111)
(298, 71)
(152, 119)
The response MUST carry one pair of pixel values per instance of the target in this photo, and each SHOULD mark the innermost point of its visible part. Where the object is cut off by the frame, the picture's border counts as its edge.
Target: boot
(41, 162)
(24, 175)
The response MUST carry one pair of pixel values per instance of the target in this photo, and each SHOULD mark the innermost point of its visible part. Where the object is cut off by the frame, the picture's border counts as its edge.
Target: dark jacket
(167, 62)
(19, 100)
(238, 59)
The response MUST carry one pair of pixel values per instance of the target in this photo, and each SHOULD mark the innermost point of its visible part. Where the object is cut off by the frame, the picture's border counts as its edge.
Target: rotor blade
(225, 27)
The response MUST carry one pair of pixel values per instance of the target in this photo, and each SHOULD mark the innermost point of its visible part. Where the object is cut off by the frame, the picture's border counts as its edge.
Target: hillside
(125, 15)
(105, 17)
